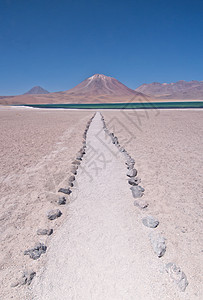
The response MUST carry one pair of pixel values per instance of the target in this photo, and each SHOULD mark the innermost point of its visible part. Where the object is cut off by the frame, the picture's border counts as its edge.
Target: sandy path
(102, 251)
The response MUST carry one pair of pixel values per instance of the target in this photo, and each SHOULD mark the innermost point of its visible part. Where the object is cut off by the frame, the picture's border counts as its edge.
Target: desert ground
(37, 148)
(167, 148)
(99, 248)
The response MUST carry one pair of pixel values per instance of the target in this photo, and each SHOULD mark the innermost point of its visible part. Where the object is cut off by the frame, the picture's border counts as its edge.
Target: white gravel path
(102, 251)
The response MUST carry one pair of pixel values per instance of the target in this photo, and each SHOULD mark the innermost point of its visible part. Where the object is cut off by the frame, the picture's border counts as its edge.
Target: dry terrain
(167, 147)
(36, 151)
(102, 247)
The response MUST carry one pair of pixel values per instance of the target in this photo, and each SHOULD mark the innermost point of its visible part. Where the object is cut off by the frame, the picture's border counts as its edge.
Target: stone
(62, 200)
(76, 162)
(71, 178)
(65, 191)
(130, 166)
(15, 283)
(115, 140)
(26, 278)
(74, 169)
(158, 243)
(82, 151)
(79, 156)
(177, 276)
(134, 180)
(36, 252)
(132, 173)
(137, 191)
(149, 221)
(54, 214)
(44, 231)
(130, 160)
(142, 204)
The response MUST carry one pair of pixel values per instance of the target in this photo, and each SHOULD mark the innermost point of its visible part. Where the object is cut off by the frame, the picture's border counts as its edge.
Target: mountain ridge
(175, 90)
(100, 88)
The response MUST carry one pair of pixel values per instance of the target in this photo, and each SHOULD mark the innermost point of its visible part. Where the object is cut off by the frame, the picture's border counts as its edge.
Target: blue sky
(58, 44)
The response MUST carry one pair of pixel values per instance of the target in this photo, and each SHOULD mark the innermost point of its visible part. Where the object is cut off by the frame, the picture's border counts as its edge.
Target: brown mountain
(95, 89)
(37, 90)
(100, 84)
(178, 90)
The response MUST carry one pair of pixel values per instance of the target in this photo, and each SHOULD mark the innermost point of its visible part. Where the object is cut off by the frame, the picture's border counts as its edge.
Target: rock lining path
(102, 251)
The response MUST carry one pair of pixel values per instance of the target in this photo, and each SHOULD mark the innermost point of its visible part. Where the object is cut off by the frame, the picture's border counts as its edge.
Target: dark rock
(158, 243)
(115, 140)
(62, 200)
(132, 173)
(53, 214)
(36, 252)
(65, 191)
(137, 191)
(44, 231)
(79, 157)
(149, 221)
(177, 276)
(134, 180)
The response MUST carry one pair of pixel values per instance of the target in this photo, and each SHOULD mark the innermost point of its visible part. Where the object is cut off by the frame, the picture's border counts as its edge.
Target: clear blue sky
(58, 44)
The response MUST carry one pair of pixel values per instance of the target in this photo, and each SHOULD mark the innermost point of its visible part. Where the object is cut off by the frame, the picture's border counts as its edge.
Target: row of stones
(40, 248)
(156, 239)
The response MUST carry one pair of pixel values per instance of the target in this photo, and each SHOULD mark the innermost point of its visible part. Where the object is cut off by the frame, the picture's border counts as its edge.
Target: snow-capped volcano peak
(100, 84)
(99, 76)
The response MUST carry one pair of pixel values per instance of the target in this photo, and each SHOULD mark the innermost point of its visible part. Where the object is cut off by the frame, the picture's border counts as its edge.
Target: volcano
(36, 90)
(100, 84)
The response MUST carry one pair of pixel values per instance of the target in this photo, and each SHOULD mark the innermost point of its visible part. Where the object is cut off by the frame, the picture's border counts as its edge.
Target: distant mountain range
(36, 90)
(104, 89)
(179, 90)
